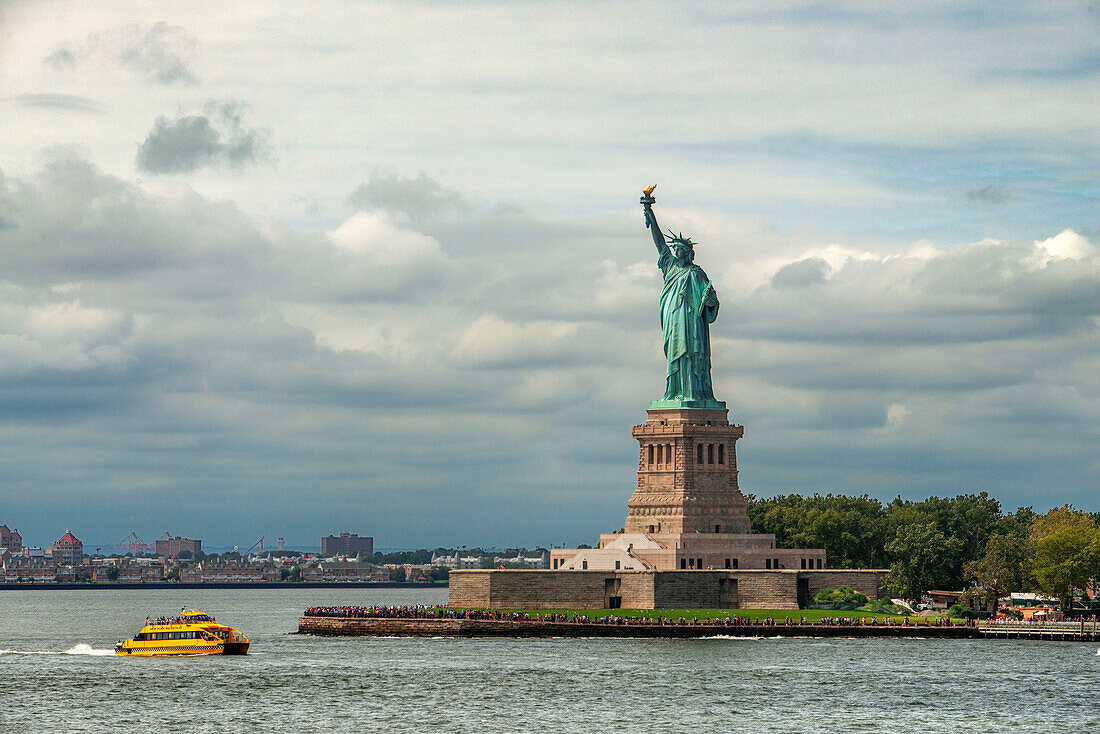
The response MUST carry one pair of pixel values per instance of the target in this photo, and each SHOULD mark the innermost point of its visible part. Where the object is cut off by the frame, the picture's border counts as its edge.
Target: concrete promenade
(443, 627)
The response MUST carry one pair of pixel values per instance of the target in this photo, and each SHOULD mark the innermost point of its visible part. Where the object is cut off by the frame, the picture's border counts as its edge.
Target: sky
(287, 268)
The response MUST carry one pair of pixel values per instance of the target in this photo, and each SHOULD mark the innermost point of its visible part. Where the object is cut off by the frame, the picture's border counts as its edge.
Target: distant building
(67, 550)
(542, 561)
(27, 568)
(346, 544)
(129, 572)
(220, 572)
(456, 561)
(172, 546)
(10, 539)
(343, 571)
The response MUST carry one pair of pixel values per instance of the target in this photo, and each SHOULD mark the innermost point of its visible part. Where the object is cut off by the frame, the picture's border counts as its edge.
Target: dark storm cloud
(158, 53)
(59, 102)
(217, 137)
(420, 199)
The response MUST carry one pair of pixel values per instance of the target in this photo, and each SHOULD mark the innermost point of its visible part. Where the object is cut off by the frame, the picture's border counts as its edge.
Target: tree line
(942, 542)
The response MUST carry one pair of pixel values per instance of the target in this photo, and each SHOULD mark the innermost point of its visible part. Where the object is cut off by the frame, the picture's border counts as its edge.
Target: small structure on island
(687, 542)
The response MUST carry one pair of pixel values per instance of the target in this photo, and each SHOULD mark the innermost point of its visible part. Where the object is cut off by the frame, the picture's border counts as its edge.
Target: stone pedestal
(687, 474)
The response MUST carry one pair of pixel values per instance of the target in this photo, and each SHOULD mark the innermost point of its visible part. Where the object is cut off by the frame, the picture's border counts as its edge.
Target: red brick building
(68, 550)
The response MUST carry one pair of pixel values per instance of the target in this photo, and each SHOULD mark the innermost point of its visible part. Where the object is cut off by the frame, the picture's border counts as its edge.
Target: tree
(968, 518)
(850, 529)
(397, 574)
(1001, 569)
(174, 574)
(1063, 553)
(922, 557)
(112, 573)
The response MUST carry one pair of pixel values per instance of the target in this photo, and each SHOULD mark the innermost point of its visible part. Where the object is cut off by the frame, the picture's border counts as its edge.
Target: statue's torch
(648, 201)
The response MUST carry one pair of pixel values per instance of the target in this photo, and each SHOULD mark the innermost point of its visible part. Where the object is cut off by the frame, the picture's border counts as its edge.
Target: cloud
(190, 142)
(69, 102)
(810, 271)
(492, 342)
(989, 194)
(386, 260)
(1067, 244)
(154, 341)
(158, 53)
(419, 199)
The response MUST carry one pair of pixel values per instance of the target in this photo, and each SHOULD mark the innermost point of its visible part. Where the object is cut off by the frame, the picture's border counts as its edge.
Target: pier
(1063, 631)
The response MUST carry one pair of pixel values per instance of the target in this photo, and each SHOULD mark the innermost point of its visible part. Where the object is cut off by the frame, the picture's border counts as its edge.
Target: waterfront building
(129, 572)
(10, 539)
(213, 572)
(68, 550)
(343, 570)
(346, 544)
(168, 546)
(20, 567)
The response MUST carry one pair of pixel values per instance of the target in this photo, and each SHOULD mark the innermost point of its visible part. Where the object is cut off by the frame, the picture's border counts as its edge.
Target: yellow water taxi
(189, 633)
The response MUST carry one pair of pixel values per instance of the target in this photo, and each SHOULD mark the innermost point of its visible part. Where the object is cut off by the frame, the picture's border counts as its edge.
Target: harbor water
(58, 673)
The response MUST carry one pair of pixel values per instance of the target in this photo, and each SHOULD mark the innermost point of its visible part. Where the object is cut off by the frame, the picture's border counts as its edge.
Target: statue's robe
(685, 321)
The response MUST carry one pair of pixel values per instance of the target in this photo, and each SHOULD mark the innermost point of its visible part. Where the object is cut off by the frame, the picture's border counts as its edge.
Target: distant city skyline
(293, 269)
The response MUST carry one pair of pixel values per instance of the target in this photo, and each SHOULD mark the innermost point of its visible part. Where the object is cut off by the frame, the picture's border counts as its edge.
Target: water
(57, 673)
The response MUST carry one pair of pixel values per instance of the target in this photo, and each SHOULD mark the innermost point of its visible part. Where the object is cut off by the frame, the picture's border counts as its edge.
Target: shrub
(959, 611)
(840, 595)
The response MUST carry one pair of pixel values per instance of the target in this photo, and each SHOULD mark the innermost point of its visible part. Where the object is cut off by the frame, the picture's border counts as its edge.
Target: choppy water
(57, 674)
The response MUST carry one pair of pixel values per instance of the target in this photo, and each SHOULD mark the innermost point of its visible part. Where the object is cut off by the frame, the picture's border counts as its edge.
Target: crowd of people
(437, 612)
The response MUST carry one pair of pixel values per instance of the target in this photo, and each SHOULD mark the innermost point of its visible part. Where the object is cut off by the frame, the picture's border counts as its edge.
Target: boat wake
(82, 649)
(78, 649)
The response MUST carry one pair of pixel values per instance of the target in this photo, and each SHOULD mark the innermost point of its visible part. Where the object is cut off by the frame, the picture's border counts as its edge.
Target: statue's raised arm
(688, 306)
(651, 220)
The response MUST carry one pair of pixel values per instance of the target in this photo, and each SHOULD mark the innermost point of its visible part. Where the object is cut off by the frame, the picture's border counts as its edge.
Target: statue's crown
(679, 239)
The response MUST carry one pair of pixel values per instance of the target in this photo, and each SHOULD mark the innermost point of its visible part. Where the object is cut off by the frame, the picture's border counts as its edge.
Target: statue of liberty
(689, 305)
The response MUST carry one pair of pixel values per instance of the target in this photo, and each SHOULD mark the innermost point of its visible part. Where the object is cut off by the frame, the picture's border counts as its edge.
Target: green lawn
(777, 615)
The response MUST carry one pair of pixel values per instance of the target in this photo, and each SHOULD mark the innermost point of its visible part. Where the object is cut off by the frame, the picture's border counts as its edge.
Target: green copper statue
(689, 305)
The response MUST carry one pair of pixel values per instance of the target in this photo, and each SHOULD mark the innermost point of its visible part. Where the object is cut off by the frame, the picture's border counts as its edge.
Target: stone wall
(768, 589)
(521, 589)
(719, 589)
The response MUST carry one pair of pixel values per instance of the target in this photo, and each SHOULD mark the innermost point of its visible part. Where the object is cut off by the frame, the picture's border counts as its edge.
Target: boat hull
(157, 651)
